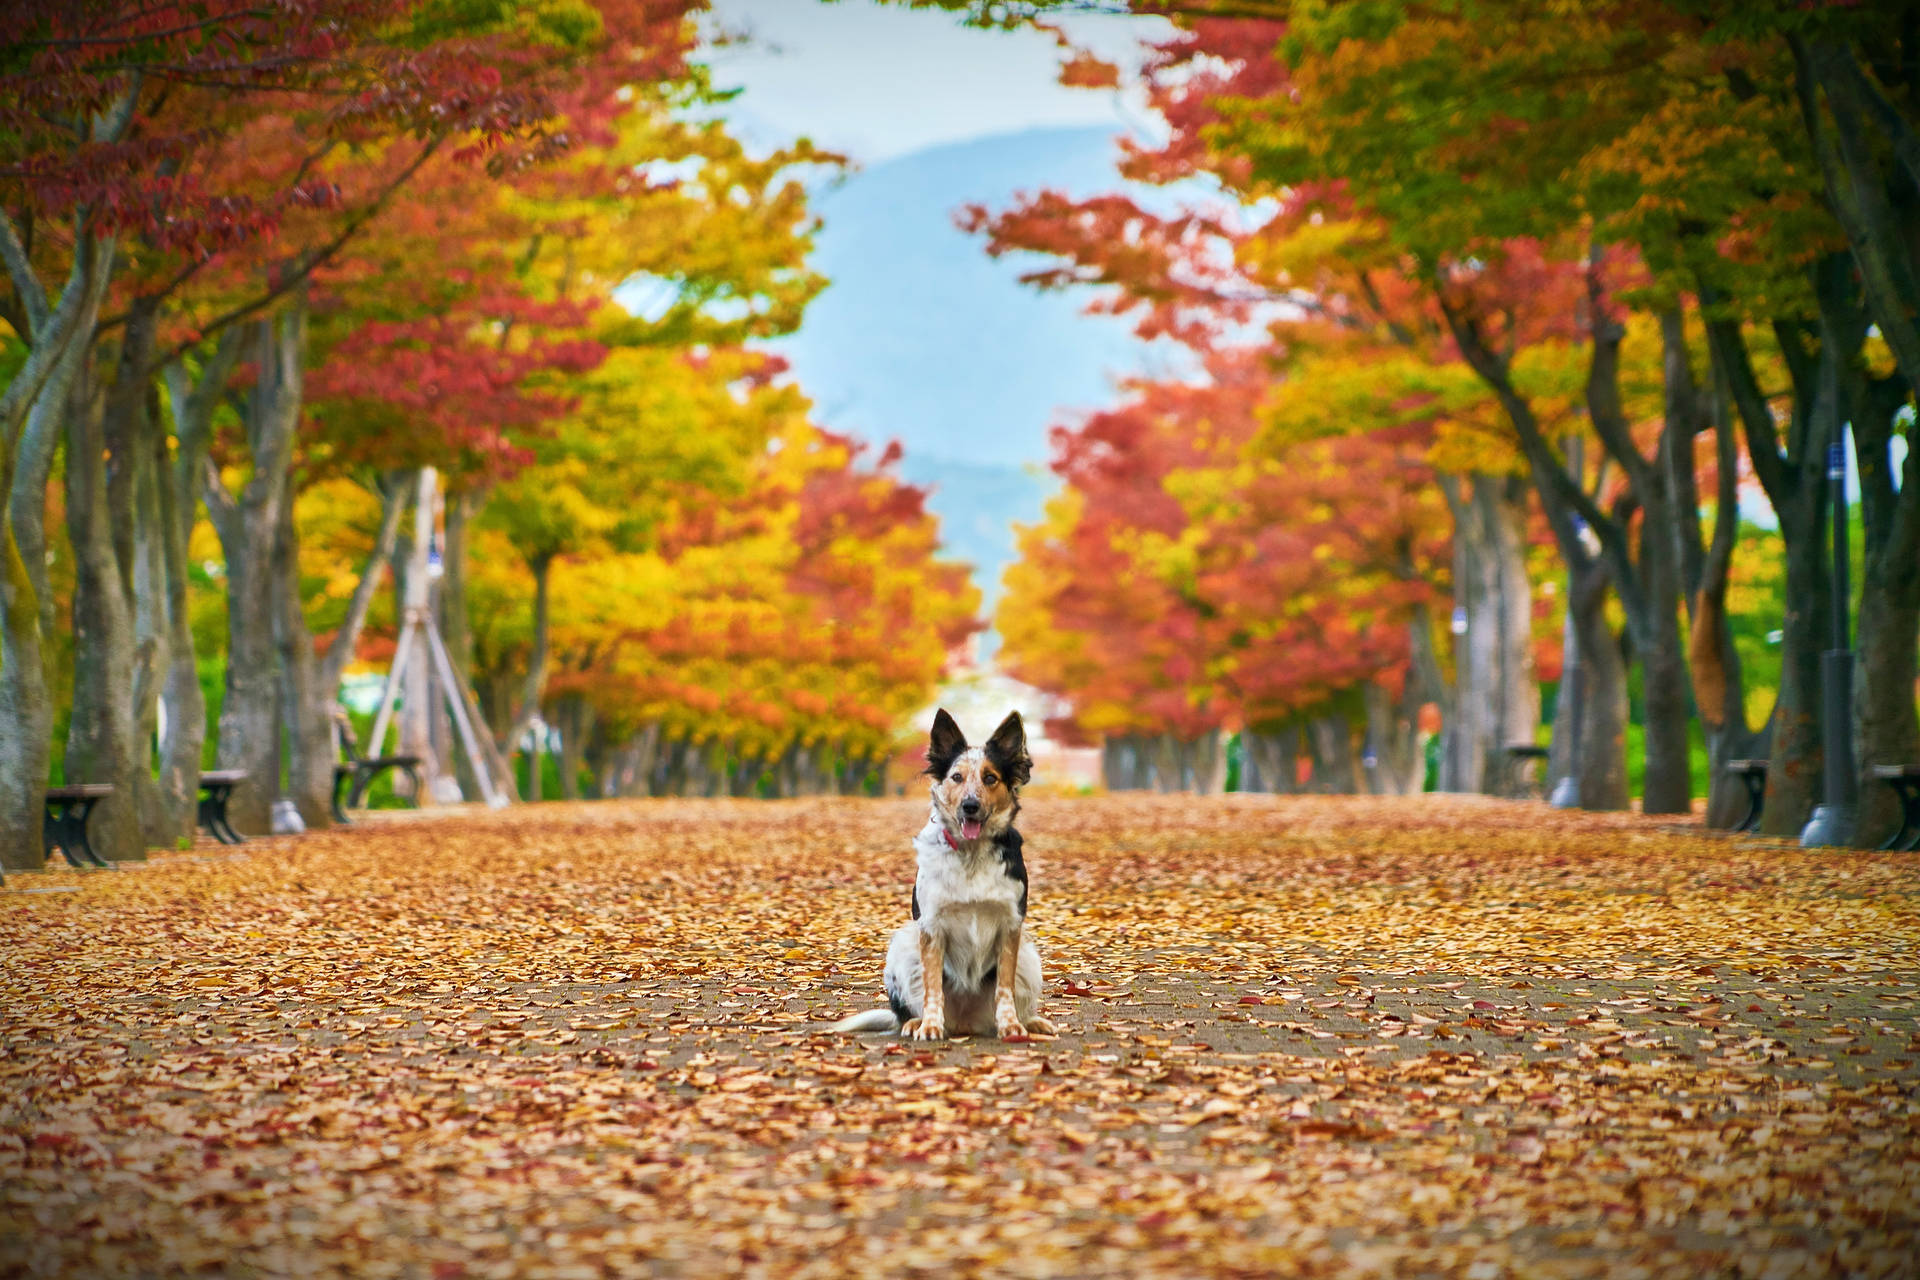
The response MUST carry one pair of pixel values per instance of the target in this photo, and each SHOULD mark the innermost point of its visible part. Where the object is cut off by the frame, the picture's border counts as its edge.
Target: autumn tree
(1322, 274)
(116, 121)
(1750, 157)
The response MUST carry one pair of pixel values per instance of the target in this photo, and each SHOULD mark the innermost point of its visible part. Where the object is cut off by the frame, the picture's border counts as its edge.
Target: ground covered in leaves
(1299, 1037)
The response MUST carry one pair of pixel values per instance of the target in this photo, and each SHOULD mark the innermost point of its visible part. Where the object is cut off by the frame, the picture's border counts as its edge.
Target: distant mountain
(923, 338)
(978, 506)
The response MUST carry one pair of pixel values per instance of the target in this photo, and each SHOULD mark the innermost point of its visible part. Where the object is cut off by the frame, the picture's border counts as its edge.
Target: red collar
(951, 842)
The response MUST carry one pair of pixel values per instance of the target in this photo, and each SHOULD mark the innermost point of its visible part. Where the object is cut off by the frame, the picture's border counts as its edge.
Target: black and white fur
(969, 899)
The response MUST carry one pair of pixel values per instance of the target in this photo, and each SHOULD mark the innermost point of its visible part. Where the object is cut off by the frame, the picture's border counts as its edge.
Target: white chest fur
(967, 899)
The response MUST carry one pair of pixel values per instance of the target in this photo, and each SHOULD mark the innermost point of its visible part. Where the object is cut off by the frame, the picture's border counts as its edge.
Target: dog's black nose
(970, 806)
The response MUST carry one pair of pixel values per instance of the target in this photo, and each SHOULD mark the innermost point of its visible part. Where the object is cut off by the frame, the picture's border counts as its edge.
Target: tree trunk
(533, 690)
(1563, 755)
(183, 740)
(249, 527)
(1496, 698)
(306, 700)
(1274, 759)
(1203, 763)
(576, 723)
(1162, 763)
(750, 769)
(100, 733)
(1799, 755)
(853, 776)
(1649, 602)
(1888, 734)
(1889, 622)
(1122, 766)
(1667, 785)
(1794, 479)
(152, 656)
(1875, 209)
(126, 480)
(1393, 729)
(1888, 730)
(646, 757)
(671, 769)
(1601, 781)
(1719, 688)
(1425, 682)
(1330, 743)
(38, 391)
(1650, 594)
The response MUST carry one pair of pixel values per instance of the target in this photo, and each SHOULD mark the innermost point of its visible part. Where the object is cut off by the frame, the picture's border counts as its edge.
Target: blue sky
(876, 83)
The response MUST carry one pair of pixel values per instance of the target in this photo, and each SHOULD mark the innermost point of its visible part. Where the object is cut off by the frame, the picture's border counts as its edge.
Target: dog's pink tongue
(970, 828)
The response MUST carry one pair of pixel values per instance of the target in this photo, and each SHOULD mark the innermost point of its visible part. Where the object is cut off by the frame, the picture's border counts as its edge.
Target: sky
(876, 83)
(921, 337)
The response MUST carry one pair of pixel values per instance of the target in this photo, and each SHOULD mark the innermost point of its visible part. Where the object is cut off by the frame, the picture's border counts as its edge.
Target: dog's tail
(871, 1020)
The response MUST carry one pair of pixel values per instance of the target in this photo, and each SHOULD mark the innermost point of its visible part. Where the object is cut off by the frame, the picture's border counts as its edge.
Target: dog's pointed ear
(1007, 751)
(945, 745)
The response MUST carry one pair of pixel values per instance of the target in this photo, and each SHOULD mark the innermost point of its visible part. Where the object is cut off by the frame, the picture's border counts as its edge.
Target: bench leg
(1907, 838)
(1526, 778)
(340, 786)
(362, 779)
(226, 823)
(65, 829)
(86, 845)
(1756, 801)
(213, 815)
(53, 834)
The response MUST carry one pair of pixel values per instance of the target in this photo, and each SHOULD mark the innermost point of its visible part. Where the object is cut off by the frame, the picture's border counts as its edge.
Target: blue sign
(1836, 462)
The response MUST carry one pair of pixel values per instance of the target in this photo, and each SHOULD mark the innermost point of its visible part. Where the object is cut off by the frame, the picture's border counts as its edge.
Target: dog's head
(977, 789)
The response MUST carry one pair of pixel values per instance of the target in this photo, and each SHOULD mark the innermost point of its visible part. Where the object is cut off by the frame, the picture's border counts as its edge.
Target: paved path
(1299, 1037)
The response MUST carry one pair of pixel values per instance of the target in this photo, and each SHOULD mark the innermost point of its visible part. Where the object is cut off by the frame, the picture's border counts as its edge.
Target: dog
(964, 965)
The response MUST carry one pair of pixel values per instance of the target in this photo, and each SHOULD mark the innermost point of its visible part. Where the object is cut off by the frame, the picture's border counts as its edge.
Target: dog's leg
(1026, 991)
(932, 1023)
(1005, 1016)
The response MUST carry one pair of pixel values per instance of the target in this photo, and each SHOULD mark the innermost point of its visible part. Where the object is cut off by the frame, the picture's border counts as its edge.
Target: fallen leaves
(1298, 1037)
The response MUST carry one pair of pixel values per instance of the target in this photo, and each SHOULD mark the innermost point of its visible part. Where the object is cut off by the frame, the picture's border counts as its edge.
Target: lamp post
(1832, 822)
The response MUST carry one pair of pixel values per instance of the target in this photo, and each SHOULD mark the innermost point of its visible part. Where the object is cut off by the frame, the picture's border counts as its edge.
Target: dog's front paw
(1039, 1026)
(925, 1029)
(1010, 1029)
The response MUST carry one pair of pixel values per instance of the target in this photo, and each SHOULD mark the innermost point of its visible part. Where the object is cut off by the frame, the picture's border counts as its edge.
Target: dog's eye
(954, 778)
(989, 779)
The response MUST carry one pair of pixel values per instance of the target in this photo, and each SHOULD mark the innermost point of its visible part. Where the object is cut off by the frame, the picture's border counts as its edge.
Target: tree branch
(1729, 348)
(26, 282)
(1857, 193)
(193, 405)
(1837, 63)
(305, 264)
(340, 649)
(1604, 408)
(74, 314)
(1561, 495)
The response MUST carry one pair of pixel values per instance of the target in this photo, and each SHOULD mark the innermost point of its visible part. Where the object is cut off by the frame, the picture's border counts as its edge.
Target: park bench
(1754, 774)
(1523, 778)
(1905, 781)
(65, 826)
(355, 773)
(218, 786)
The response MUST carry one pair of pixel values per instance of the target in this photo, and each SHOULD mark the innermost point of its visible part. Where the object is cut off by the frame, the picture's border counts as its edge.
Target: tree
(1735, 148)
(1317, 271)
(107, 107)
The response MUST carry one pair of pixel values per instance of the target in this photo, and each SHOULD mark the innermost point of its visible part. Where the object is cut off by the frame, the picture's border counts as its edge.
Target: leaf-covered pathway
(1305, 1036)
